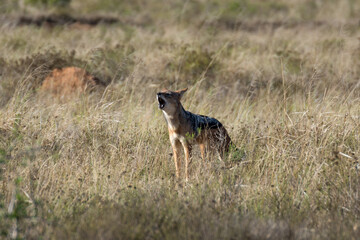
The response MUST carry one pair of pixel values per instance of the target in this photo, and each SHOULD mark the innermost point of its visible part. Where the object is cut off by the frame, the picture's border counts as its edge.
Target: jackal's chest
(176, 137)
(179, 129)
(182, 136)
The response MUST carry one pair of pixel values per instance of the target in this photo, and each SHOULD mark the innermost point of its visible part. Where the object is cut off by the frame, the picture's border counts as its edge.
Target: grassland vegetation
(282, 76)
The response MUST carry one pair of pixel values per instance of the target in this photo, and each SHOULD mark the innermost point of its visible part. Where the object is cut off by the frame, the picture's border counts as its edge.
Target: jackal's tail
(230, 147)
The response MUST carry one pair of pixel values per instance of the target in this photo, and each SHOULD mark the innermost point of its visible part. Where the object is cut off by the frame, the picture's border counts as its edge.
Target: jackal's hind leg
(202, 150)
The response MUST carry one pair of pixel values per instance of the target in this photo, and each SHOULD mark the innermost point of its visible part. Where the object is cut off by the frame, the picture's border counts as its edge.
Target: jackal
(186, 128)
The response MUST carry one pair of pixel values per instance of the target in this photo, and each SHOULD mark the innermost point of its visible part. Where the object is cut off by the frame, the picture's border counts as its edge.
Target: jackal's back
(201, 122)
(210, 130)
(205, 122)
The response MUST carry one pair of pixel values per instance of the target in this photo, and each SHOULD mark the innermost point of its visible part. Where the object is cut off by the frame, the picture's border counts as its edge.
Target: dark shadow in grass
(64, 19)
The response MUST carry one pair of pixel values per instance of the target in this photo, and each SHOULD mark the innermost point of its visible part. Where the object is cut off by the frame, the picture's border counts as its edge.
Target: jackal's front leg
(187, 151)
(176, 150)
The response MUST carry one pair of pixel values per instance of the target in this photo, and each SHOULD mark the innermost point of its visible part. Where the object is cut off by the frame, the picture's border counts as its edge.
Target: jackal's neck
(174, 120)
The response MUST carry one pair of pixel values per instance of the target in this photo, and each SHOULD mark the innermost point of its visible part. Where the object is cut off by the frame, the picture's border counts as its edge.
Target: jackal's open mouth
(161, 102)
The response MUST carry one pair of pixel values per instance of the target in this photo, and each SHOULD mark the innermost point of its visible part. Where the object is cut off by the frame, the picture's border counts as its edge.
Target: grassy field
(282, 76)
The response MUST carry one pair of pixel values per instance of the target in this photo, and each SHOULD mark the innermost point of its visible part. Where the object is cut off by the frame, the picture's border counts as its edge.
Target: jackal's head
(169, 101)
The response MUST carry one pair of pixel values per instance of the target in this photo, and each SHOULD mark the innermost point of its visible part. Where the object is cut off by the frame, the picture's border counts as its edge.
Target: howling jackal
(186, 129)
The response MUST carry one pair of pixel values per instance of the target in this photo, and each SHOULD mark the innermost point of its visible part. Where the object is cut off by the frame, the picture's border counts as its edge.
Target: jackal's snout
(161, 100)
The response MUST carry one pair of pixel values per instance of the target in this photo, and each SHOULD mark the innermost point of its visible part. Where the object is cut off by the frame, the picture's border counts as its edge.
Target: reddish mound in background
(68, 81)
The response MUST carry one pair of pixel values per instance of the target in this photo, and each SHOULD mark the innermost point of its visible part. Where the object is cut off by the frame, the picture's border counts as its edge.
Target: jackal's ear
(182, 91)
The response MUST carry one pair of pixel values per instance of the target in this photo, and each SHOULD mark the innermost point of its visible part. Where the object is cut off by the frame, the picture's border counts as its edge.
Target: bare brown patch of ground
(69, 81)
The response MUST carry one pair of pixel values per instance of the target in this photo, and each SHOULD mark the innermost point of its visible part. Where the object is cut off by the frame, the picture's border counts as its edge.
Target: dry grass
(283, 80)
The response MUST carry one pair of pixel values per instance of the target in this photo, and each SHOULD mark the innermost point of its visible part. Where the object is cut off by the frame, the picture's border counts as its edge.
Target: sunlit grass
(100, 165)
